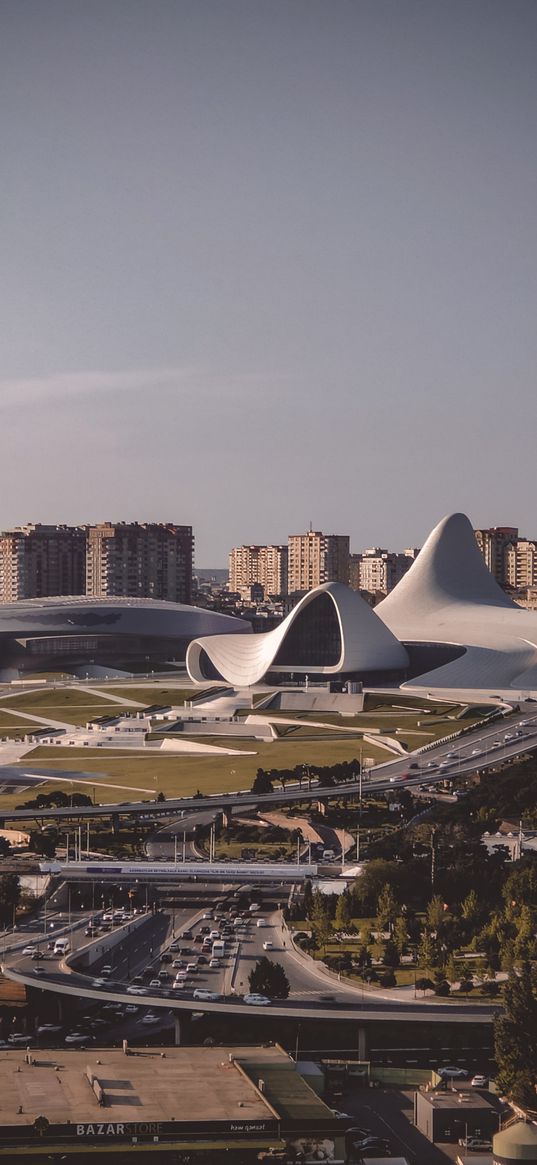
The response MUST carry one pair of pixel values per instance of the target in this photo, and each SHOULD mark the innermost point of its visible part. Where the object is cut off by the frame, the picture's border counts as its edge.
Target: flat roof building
(206, 1101)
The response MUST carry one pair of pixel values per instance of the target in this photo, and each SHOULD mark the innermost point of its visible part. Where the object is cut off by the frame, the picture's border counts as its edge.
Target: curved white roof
(449, 596)
(366, 643)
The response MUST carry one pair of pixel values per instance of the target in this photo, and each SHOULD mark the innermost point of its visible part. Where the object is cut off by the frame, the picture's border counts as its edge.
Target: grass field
(152, 693)
(177, 776)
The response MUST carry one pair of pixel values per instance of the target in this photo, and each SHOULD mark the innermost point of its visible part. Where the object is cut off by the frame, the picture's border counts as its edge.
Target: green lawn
(151, 693)
(178, 776)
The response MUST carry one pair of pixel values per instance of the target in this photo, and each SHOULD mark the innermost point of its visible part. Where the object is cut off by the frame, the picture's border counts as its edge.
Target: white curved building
(447, 625)
(449, 597)
(331, 632)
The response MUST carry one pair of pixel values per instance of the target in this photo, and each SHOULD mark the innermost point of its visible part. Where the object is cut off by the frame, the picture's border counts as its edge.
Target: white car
(150, 1019)
(46, 1029)
(213, 963)
(78, 1038)
(131, 1009)
(133, 990)
(208, 996)
(449, 1073)
(17, 1038)
(256, 1000)
(28, 950)
(155, 984)
(100, 982)
(479, 1081)
(268, 945)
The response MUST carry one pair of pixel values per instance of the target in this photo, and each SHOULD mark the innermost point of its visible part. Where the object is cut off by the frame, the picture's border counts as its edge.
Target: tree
(391, 957)
(515, 1038)
(427, 954)
(424, 985)
(400, 934)
(387, 909)
(262, 782)
(268, 978)
(343, 917)
(10, 892)
(435, 913)
(320, 918)
(308, 897)
(43, 843)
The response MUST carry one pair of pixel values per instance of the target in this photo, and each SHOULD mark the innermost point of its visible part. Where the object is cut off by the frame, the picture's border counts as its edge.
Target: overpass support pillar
(226, 818)
(181, 1023)
(115, 823)
(321, 807)
(362, 1043)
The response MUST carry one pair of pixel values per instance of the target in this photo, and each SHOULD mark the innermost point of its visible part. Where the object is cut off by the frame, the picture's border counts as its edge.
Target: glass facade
(314, 639)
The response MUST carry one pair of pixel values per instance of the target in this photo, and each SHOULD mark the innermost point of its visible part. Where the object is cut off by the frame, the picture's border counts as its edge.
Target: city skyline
(269, 264)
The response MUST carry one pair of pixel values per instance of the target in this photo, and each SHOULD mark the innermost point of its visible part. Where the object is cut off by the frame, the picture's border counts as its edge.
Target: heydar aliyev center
(446, 625)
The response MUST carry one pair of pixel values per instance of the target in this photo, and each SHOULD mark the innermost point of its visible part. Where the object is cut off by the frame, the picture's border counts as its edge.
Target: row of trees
(328, 775)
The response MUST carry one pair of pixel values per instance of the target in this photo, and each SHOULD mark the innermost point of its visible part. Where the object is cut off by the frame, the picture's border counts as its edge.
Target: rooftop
(183, 1084)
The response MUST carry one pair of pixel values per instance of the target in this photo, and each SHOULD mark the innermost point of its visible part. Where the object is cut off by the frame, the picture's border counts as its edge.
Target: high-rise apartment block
(493, 545)
(37, 560)
(149, 560)
(316, 558)
(262, 565)
(521, 565)
(378, 571)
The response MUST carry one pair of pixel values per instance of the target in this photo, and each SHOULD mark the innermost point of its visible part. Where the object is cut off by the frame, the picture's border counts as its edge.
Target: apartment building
(148, 560)
(493, 545)
(37, 561)
(263, 565)
(316, 558)
(377, 570)
(521, 565)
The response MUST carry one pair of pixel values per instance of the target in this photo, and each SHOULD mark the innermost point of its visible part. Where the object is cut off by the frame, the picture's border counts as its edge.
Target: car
(178, 984)
(214, 963)
(79, 1039)
(19, 1038)
(133, 990)
(28, 950)
(187, 934)
(131, 1009)
(150, 1019)
(206, 995)
(37, 955)
(268, 945)
(342, 1116)
(100, 982)
(192, 967)
(205, 930)
(202, 960)
(179, 964)
(155, 984)
(432, 764)
(39, 971)
(479, 1081)
(49, 1029)
(496, 744)
(476, 1144)
(372, 1143)
(477, 752)
(166, 957)
(181, 976)
(256, 1000)
(447, 1072)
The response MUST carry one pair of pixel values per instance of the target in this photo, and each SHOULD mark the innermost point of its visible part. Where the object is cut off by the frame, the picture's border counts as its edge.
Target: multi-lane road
(314, 993)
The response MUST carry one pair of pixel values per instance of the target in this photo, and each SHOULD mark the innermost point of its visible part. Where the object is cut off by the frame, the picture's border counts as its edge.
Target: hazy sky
(269, 261)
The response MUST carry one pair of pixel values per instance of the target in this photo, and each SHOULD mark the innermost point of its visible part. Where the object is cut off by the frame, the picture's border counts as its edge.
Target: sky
(267, 263)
